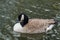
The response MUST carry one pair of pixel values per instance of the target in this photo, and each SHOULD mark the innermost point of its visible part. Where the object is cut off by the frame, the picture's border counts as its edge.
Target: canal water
(46, 9)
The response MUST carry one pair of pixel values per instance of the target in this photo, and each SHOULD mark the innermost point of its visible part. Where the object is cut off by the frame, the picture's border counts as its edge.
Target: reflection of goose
(26, 25)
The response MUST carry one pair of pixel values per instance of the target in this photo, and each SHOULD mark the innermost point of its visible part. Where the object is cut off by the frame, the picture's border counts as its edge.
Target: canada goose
(26, 25)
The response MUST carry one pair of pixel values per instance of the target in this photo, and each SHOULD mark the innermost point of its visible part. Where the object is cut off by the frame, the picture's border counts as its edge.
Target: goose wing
(38, 25)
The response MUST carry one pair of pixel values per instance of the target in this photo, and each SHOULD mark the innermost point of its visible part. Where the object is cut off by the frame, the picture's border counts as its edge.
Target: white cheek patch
(50, 27)
(22, 17)
(17, 27)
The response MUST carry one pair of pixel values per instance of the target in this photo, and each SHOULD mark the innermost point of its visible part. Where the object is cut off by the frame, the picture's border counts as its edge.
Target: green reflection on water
(10, 9)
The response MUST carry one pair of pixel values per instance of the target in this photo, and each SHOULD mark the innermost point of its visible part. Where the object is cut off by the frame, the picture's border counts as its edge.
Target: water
(10, 9)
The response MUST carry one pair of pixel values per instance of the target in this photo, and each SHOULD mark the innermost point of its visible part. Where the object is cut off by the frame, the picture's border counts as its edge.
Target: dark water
(10, 9)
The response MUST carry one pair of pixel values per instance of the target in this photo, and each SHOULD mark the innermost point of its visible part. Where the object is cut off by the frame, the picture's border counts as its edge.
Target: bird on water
(35, 25)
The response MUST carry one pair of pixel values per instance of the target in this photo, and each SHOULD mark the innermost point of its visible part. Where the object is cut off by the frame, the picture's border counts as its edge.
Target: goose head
(23, 20)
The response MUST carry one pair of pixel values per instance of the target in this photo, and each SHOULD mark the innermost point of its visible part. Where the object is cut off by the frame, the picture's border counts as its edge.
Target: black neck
(23, 23)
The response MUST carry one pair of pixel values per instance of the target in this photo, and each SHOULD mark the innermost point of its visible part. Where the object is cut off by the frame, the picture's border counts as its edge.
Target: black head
(23, 19)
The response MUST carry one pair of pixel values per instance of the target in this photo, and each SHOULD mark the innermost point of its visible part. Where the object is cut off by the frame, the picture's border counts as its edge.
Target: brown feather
(37, 25)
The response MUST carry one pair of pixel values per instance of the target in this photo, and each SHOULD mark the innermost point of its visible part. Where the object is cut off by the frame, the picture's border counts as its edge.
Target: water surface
(10, 9)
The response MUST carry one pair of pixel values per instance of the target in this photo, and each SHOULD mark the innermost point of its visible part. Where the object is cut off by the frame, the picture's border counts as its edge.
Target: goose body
(34, 25)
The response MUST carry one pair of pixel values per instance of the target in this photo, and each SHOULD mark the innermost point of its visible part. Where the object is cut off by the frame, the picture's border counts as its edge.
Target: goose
(35, 25)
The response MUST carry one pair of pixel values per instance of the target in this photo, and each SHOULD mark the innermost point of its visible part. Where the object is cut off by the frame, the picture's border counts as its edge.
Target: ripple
(28, 10)
(53, 35)
(34, 6)
(5, 17)
(58, 38)
(2, 16)
(13, 21)
(47, 9)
